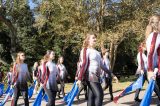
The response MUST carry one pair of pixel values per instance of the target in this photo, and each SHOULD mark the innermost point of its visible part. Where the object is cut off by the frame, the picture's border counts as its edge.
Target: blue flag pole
(74, 94)
(67, 97)
(31, 89)
(9, 94)
(38, 99)
(147, 97)
(45, 97)
(8, 88)
(1, 89)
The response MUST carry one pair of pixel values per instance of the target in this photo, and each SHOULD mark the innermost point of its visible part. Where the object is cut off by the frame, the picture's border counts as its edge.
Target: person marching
(20, 77)
(9, 75)
(107, 79)
(152, 44)
(63, 75)
(35, 76)
(90, 70)
(50, 75)
(142, 68)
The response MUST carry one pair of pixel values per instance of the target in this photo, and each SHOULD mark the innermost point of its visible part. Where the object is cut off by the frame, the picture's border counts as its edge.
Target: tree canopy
(35, 26)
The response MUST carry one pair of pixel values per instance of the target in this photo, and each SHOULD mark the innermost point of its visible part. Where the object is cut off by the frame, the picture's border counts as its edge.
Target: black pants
(17, 93)
(51, 97)
(156, 88)
(158, 81)
(108, 83)
(84, 87)
(95, 94)
(62, 84)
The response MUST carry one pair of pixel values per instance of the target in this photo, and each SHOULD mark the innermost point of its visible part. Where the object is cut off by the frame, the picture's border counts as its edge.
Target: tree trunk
(114, 56)
(12, 35)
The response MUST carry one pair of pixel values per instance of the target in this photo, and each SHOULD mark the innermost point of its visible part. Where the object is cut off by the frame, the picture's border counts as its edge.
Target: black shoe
(138, 100)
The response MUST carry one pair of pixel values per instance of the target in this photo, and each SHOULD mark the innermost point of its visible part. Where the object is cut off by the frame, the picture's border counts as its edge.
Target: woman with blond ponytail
(20, 77)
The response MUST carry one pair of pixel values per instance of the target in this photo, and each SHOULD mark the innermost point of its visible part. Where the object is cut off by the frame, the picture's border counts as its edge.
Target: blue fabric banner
(148, 94)
(38, 99)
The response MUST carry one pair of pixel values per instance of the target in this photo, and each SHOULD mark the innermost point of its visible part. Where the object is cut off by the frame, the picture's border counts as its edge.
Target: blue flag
(71, 95)
(1, 89)
(148, 94)
(31, 89)
(38, 99)
(45, 97)
(66, 98)
(74, 94)
(8, 88)
(9, 94)
(135, 85)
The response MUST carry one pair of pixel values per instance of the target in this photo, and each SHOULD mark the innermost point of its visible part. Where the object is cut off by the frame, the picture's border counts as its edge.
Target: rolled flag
(8, 88)
(67, 97)
(38, 99)
(73, 95)
(9, 94)
(31, 89)
(147, 96)
(45, 97)
(135, 85)
(1, 89)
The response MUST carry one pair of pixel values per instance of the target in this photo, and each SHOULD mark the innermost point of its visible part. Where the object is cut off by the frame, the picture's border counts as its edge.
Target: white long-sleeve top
(91, 65)
(62, 71)
(148, 44)
(53, 72)
(106, 62)
(23, 73)
(144, 60)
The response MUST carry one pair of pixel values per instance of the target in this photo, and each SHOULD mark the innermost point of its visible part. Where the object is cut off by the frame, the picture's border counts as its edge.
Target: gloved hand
(79, 83)
(142, 72)
(150, 75)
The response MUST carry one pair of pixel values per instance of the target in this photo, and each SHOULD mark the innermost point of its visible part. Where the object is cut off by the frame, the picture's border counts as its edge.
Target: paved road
(124, 101)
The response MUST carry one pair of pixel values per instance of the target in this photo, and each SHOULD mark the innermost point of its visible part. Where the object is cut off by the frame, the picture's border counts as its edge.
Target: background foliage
(35, 26)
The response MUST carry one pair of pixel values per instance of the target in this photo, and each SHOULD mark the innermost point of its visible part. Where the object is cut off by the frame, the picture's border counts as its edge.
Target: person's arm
(84, 64)
(151, 52)
(15, 74)
(28, 74)
(104, 68)
(47, 73)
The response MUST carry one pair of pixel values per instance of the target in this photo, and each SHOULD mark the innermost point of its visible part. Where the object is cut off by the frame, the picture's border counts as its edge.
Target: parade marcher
(107, 78)
(50, 75)
(90, 70)
(142, 67)
(9, 75)
(152, 44)
(19, 80)
(63, 75)
(35, 76)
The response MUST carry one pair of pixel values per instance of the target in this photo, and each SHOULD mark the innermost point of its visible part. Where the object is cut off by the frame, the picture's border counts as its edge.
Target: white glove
(155, 71)
(79, 83)
(151, 75)
(142, 72)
